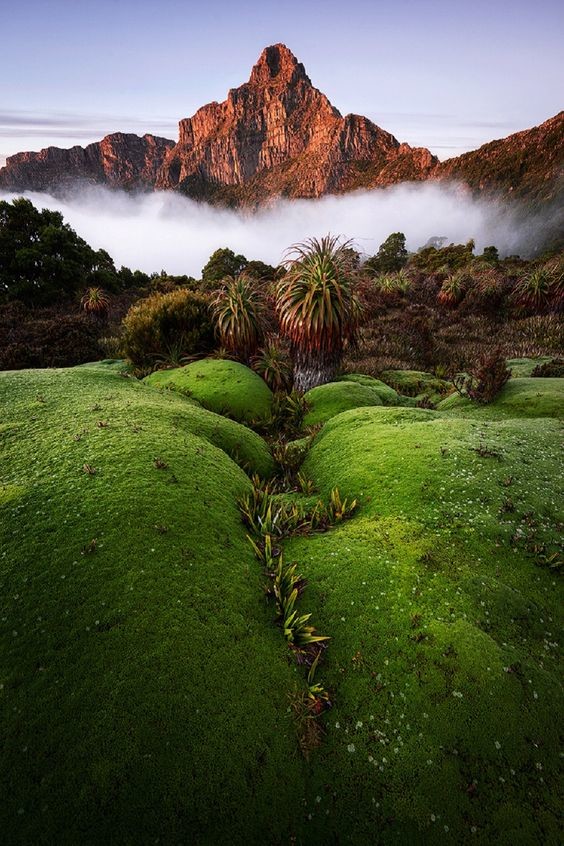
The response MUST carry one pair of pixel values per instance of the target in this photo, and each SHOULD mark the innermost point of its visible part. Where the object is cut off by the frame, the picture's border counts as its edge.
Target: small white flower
(351, 747)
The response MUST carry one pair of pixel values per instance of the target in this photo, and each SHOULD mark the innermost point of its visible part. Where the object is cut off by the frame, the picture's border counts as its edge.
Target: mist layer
(163, 230)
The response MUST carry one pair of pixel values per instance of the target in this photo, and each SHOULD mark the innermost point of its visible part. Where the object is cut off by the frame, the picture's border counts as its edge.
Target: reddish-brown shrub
(484, 382)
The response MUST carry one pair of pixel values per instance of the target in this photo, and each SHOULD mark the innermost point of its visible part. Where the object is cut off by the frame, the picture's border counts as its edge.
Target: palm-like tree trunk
(313, 368)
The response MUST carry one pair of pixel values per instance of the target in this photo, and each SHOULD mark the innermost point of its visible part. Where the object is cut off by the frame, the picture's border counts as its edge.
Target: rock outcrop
(528, 166)
(278, 135)
(120, 160)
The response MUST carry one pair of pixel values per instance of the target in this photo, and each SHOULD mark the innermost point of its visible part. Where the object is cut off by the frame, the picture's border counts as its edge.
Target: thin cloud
(70, 126)
(165, 230)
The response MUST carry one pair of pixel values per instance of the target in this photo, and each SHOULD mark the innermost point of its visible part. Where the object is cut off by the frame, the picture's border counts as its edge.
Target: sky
(444, 75)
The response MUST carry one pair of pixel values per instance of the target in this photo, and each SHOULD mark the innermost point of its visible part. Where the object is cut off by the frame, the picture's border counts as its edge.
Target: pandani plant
(95, 301)
(273, 364)
(239, 310)
(541, 289)
(318, 308)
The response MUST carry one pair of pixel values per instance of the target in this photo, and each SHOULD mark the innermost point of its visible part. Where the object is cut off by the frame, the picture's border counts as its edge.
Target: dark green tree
(491, 255)
(42, 259)
(221, 264)
(391, 256)
(262, 272)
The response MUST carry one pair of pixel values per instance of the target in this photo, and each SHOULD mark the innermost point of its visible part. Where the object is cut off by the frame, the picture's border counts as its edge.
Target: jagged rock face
(528, 165)
(277, 134)
(119, 160)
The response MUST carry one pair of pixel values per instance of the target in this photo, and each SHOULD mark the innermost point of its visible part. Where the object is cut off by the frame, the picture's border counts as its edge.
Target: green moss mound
(326, 401)
(444, 618)
(414, 383)
(223, 386)
(144, 687)
(521, 397)
(525, 366)
(388, 395)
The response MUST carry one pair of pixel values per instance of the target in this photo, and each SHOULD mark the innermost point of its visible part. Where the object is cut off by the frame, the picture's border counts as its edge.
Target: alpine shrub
(159, 326)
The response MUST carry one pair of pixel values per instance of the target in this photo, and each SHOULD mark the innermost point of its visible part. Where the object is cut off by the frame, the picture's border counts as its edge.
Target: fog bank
(167, 231)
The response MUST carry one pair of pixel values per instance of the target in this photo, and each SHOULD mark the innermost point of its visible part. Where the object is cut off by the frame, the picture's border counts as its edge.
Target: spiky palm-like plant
(542, 288)
(95, 301)
(317, 308)
(273, 363)
(239, 314)
(453, 289)
(393, 283)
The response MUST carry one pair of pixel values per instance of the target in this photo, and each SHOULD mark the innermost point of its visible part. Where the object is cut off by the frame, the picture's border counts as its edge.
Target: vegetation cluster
(207, 571)
(439, 309)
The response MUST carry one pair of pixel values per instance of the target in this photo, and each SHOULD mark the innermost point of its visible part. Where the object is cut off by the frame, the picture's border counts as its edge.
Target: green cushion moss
(412, 383)
(326, 401)
(521, 397)
(223, 386)
(144, 686)
(388, 395)
(525, 366)
(444, 626)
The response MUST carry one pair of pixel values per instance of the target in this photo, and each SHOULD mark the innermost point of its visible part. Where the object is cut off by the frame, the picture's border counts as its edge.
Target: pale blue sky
(445, 75)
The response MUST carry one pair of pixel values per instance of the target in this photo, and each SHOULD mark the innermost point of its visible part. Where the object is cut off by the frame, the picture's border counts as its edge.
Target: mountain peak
(277, 64)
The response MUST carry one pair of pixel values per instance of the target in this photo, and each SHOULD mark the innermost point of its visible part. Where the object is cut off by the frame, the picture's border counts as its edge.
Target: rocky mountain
(277, 135)
(120, 161)
(528, 165)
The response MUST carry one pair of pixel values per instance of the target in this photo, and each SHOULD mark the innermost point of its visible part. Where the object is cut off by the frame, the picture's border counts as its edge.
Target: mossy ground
(525, 366)
(220, 385)
(145, 687)
(415, 383)
(388, 395)
(444, 630)
(328, 400)
(521, 397)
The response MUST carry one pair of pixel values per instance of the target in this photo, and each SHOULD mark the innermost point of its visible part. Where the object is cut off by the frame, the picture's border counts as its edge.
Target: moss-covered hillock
(147, 692)
(414, 383)
(443, 613)
(220, 385)
(525, 366)
(333, 398)
(143, 686)
(388, 395)
(520, 397)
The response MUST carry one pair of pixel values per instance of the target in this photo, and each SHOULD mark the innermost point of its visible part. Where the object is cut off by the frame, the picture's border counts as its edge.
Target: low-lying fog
(167, 231)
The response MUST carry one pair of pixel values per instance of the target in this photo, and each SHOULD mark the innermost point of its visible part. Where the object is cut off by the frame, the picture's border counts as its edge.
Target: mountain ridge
(277, 135)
